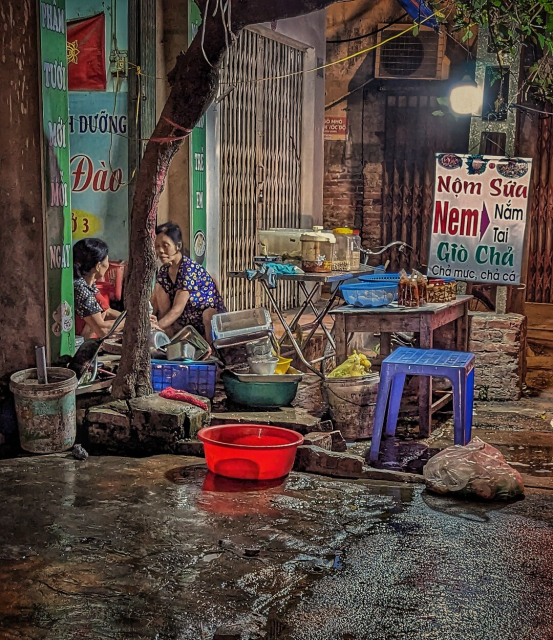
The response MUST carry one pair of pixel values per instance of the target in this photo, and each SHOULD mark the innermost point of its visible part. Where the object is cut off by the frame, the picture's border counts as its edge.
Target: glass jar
(343, 252)
(423, 290)
(451, 290)
(436, 290)
(317, 251)
(356, 251)
(408, 291)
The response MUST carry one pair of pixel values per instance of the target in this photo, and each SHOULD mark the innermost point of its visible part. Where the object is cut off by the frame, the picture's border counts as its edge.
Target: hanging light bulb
(466, 98)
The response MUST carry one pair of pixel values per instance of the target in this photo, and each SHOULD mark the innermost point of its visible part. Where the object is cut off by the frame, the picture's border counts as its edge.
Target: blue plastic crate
(194, 377)
(369, 294)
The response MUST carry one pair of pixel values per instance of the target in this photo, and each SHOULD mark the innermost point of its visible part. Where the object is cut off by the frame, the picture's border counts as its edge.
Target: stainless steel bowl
(158, 339)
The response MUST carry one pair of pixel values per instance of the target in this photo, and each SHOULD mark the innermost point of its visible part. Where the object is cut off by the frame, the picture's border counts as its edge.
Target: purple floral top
(196, 280)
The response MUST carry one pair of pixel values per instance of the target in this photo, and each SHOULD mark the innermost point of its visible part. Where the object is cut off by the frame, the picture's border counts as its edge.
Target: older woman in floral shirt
(185, 293)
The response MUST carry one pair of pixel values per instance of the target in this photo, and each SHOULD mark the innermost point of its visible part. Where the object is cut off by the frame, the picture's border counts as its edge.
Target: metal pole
(486, 58)
(287, 329)
(41, 370)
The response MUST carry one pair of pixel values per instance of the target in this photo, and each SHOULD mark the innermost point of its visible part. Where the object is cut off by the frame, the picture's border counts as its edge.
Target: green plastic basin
(260, 395)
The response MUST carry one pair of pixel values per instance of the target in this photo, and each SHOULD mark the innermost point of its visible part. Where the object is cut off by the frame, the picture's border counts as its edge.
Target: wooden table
(422, 321)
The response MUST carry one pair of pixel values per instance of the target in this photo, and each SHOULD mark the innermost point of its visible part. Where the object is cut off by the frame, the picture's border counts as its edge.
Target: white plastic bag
(476, 469)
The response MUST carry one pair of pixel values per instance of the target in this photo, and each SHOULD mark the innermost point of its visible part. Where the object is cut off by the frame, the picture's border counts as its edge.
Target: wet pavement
(157, 548)
(530, 452)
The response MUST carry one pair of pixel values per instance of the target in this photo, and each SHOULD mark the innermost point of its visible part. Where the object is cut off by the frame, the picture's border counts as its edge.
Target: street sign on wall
(57, 192)
(479, 218)
(198, 217)
(99, 168)
(336, 128)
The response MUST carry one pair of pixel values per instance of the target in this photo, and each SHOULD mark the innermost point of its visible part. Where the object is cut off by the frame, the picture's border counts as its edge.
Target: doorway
(261, 152)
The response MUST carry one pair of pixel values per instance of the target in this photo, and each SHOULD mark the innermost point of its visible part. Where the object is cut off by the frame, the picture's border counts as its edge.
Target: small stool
(456, 366)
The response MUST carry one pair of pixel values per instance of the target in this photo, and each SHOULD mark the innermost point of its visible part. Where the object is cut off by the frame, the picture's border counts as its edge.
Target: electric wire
(281, 77)
(368, 35)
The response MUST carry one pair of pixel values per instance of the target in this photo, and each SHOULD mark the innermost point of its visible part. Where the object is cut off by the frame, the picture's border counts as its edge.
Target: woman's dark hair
(171, 230)
(87, 254)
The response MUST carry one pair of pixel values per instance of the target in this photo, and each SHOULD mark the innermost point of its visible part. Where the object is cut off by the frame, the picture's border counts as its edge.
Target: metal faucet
(402, 247)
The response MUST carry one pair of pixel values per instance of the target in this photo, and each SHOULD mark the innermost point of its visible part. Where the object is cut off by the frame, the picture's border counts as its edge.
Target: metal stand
(335, 278)
(319, 320)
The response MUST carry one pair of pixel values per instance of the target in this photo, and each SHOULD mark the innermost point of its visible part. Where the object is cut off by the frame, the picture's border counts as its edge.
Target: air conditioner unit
(409, 56)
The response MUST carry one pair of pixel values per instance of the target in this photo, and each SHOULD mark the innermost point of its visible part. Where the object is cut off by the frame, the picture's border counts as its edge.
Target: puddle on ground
(170, 549)
(410, 455)
(214, 494)
(532, 460)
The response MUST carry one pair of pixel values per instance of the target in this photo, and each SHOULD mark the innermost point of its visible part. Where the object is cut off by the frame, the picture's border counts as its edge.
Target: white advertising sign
(479, 218)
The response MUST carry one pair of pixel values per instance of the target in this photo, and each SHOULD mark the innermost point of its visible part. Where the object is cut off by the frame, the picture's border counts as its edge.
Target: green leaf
(416, 30)
(514, 23)
(443, 101)
(438, 113)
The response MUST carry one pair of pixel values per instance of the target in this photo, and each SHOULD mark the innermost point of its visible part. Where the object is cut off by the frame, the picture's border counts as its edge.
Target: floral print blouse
(204, 295)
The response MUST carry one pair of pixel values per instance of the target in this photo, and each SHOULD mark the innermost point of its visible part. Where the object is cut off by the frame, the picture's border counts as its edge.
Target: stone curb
(313, 459)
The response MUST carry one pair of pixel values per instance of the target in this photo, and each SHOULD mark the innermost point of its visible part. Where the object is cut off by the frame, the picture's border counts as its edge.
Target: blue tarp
(419, 11)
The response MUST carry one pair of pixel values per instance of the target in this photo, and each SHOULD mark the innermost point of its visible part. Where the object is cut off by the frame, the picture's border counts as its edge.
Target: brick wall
(372, 204)
(354, 169)
(499, 344)
(342, 196)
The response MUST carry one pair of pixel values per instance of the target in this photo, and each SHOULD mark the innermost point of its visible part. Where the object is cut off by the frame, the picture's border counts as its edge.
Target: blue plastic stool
(457, 366)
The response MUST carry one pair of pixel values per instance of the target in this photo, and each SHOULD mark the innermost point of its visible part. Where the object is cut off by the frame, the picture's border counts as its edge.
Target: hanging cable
(524, 108)
(204, 21)
(368, 35)
(289, 75)
(351, 56)
(114, 24)
(320, 67)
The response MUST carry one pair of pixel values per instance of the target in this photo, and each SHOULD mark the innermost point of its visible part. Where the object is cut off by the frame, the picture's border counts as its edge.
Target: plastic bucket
(352, 403)
(46, 413)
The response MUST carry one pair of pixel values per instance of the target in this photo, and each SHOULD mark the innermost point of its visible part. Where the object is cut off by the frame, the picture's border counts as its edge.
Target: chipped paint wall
(22, 284)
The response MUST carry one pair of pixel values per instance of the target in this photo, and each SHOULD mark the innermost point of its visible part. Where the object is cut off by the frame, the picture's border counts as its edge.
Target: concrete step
(288, 417)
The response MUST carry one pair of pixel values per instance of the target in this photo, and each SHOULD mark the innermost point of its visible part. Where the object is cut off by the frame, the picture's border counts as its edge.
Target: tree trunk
(194, 86)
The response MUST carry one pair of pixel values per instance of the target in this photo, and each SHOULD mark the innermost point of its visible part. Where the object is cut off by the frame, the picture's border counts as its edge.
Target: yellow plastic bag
(356, 365)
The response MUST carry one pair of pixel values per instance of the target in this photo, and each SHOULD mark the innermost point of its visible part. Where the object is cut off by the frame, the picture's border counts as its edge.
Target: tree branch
(194, 84)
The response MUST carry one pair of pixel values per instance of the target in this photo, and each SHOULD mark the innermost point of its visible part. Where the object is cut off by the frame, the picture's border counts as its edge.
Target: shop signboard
(336, 128)
(479, 219)
(57, 193)
(198, 217)
(99, 168)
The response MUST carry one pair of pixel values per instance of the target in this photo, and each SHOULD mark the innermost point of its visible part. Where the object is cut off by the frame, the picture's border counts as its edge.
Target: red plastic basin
(250, 451)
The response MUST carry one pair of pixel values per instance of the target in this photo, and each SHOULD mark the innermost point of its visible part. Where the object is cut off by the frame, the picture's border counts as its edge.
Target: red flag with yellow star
(86, 53)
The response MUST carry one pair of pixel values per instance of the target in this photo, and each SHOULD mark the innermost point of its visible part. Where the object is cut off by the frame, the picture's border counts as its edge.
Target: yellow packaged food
(356, 365)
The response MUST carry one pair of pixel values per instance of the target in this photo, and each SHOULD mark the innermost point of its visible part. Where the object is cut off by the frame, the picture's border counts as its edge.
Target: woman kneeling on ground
(185, 293)
(93, 315)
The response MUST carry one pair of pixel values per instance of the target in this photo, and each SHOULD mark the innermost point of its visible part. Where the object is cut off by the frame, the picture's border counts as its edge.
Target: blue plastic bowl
(369, 294)
(380, 277)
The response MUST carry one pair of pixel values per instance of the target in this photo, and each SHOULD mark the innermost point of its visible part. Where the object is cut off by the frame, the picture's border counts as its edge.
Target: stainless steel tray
(293, 375)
